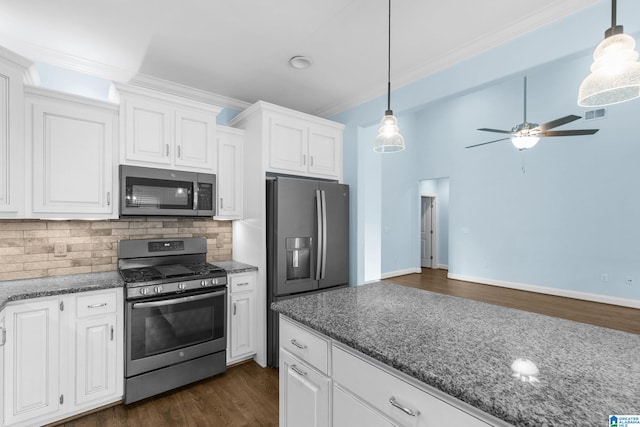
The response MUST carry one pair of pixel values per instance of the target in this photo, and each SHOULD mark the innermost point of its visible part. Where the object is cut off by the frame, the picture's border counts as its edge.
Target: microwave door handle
(177, 300)
(195, 195)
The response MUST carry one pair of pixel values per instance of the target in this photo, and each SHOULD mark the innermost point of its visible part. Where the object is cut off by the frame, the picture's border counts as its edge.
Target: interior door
(426, 232)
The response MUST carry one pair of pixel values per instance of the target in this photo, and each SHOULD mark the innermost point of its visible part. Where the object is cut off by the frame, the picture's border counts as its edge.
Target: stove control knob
(203, 283)
(157, 289)
(144, 291)
(182, 286)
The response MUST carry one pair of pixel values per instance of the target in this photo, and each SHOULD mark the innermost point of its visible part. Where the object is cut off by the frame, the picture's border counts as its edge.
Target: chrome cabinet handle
(310, 160)
(102, 304)
(404, 409)
(108, 198)
(167, 150)
(221, 203)
(304, 159)
(243, 284)
(179, 151)
(112, 333)
(297, 344)
(298, 371)
(234, 309)
(3, 336)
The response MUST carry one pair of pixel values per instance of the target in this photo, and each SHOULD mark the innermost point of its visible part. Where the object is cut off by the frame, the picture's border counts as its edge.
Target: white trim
(400, 273)
(443, 266)
(188, 92)
(606, 299)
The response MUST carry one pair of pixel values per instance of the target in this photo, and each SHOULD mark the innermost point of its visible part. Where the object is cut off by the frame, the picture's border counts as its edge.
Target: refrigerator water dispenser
(298, 258)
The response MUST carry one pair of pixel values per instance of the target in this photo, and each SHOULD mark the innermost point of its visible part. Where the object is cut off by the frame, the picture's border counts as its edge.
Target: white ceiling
(240, 48)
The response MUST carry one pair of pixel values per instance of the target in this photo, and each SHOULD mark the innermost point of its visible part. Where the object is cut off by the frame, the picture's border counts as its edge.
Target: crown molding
(150, 82)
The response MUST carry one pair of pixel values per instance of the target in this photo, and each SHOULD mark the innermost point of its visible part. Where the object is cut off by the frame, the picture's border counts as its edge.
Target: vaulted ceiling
(240, 49)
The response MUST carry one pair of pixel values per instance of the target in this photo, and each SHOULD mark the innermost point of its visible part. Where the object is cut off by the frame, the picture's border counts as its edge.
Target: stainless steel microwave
(164, 192)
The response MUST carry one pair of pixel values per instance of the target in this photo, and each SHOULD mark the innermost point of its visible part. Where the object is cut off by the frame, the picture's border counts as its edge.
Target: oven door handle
(177, 300)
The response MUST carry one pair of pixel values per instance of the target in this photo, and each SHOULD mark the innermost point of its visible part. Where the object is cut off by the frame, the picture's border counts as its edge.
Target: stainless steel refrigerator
(307, 243)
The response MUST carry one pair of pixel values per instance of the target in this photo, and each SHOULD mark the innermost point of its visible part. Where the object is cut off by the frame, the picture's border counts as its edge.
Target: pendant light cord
(613, 13)
(389, 112)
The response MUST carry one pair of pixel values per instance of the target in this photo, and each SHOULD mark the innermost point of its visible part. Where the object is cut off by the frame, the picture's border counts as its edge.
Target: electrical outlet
(629, 280)
(604, 277)
(60, 249)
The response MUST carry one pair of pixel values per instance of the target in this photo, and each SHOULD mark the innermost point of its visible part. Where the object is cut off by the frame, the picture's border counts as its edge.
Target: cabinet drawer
(242, 282)
(379, 389)
(304, 344)
(96, 303)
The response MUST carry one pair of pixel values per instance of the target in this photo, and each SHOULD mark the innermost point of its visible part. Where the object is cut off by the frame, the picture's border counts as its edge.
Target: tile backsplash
(36, 248)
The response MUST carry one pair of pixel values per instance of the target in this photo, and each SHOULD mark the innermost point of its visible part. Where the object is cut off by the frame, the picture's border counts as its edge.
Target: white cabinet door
(349, 411)
(95, 358)
(243, 308)
(325, 152)
(72, 167)
(304, 394)
(230, 171)
(3, 337)
(195, 142)
(31, 360)
(147, 132)
(287, 145)
(11, 141)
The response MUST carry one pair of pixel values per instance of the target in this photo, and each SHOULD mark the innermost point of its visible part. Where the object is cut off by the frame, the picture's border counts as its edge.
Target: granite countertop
(466, 348)
(14, 290)
(233, 267)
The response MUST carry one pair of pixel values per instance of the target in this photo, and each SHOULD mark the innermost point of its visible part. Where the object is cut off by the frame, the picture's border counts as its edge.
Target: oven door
(163, 331)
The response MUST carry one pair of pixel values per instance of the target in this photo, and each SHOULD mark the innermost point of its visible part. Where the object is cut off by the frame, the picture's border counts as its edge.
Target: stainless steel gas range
(175, 315)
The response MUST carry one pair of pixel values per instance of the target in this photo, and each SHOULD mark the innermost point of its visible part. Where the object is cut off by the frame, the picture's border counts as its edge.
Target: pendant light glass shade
(389, 139)
(524, 142)
(615, 73)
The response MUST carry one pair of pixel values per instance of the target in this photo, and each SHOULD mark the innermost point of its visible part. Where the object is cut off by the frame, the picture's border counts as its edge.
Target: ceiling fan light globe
(389, 139)
(615, 73)
(524, 142)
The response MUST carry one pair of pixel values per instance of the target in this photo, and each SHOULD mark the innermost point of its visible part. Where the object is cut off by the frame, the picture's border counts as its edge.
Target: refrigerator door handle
(324, 235)
(319, 241)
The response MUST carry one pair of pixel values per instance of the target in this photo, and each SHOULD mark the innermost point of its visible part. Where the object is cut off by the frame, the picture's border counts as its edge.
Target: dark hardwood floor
(594, 313)
(247, 395)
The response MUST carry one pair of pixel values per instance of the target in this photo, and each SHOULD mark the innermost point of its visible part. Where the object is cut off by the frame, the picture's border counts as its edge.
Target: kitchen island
(467, 350)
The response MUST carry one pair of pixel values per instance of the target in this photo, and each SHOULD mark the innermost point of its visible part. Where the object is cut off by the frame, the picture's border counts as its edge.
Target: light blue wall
(68, 81)
(570, 217)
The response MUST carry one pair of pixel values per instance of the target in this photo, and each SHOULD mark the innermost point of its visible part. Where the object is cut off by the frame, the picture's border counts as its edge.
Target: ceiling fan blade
(569, 132)
(557, 122)
(485, 143)
(496, 130)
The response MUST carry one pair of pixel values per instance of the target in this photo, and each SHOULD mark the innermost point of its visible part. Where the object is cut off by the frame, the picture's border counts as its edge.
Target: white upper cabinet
(229, 179)
(12, 69)
(294, 143)
(71, 145)
(159, 130)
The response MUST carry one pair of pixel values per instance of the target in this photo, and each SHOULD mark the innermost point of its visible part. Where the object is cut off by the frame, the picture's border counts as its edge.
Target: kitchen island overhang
(481, 354)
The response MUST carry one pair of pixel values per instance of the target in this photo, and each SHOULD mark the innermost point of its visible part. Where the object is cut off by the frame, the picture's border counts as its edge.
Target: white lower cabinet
(349, 411)
(241, 318)
(63, 356)
(304, 394)
(324, 382)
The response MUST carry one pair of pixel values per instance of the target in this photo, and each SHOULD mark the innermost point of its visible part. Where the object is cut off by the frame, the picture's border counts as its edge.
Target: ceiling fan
(526, 135)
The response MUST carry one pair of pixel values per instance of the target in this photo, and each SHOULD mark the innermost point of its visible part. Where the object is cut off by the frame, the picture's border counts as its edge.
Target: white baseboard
(606, 299)
(443, 266)
(400, 272)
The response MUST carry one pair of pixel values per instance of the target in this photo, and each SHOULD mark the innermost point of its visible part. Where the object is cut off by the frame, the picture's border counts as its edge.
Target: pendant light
(615, 73)
(389, 139)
